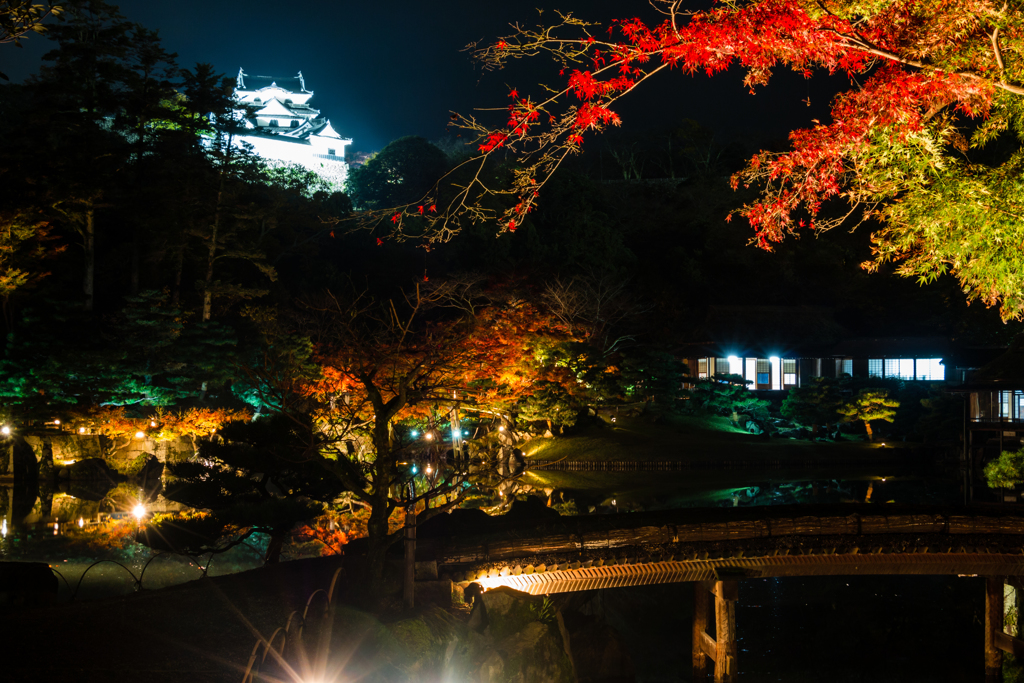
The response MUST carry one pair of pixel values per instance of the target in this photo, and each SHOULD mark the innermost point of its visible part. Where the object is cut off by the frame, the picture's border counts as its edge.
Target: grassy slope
(692, 439)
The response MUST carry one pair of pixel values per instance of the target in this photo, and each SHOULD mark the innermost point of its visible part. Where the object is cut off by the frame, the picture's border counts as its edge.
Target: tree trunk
(179, 267)
(135, 263)
(867, 425)
(274, 548)
(409, 584)
(208, 291)
(89, 239)
(376, 553)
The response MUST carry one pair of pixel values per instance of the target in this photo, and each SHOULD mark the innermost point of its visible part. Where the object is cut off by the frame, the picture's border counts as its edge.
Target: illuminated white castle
(283, 127)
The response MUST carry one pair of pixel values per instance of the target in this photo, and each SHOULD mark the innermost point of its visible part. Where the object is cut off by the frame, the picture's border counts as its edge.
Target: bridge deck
(764, 541)
(622, 575)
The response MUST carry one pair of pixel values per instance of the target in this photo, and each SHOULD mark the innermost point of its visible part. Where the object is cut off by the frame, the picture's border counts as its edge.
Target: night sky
(381, 70)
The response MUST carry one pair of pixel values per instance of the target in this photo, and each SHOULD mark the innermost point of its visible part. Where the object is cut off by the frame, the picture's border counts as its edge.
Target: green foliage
(403, 172)
(813, 404)
(566, 508)
(1006, 471)
(726, 394)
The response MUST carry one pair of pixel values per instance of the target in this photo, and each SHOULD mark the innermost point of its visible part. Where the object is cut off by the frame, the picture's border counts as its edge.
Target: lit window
(764, 373)
(875, 367)
(844, 366)
(722, 366)
(906, 368)
(789, 371)
(931, 369)
(702, 368)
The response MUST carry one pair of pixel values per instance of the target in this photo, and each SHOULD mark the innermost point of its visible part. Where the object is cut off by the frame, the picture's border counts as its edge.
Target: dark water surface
(884, 628)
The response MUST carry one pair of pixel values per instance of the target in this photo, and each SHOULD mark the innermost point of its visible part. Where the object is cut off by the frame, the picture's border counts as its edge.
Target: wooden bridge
(716, 548)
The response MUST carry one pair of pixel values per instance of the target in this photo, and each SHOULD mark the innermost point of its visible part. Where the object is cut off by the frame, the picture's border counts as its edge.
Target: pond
(795, 629)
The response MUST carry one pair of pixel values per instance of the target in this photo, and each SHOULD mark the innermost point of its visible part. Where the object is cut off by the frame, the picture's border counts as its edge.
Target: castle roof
(295, 84)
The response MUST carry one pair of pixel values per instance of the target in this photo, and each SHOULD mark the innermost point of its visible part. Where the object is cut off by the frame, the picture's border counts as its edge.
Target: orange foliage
(114, 422)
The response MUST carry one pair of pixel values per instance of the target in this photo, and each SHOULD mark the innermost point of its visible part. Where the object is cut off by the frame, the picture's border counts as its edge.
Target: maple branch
(859, 43)
(995, 51)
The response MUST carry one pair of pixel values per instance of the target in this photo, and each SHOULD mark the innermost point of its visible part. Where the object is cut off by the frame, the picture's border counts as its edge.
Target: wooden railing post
(993, 627)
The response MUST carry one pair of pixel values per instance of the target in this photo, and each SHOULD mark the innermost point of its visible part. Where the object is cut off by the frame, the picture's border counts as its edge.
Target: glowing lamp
(414, 433)
(429, 469)
(81, 522)
(773, 359)
(414, 469)
(5, 430)
(139, 511)
(81, 430)
(733, 359)
(501, 428)
(140, 435)
(3, 527)
(152, 423)
(465, 432)
(428, 436)
(56, 422)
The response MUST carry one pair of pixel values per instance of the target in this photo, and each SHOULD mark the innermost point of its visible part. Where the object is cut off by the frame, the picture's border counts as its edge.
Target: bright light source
(414, 470)
(56, 422)
(773, 359)
(414, 433)
(3, 527)
(152, 423)
(883, 478)
(428, 436)
(5, 430)
(465, 432)
(81, 522)
(733, 359)
(81, 430)
(140, 435)
(429, 469)
(139, 511)
(613, 501)
(56, 528)
(501, 428)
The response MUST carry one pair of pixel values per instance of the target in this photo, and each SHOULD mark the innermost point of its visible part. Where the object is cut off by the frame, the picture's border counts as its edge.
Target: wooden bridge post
(701, 617)
(726, 594)
(722, 648)
(993, 627)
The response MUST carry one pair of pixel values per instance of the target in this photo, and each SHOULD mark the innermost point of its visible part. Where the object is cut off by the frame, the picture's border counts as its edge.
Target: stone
(426, 571)
(597, 651)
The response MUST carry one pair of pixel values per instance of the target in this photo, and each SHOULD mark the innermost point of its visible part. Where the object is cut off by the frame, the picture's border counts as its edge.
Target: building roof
(1006, 370)
(893, 347)
(325, 130)
(296, 84)
(764, 331)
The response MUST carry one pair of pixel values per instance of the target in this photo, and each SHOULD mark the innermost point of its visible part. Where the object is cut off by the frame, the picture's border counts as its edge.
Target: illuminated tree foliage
(932, 83)
(1006, 471)
(868, 405)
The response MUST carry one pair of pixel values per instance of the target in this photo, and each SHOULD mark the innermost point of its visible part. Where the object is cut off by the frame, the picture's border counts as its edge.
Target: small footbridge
(717, 548)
